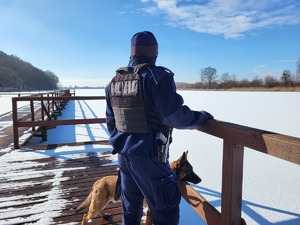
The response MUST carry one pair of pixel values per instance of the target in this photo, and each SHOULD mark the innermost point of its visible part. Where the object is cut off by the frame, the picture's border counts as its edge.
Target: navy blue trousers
(147, 178)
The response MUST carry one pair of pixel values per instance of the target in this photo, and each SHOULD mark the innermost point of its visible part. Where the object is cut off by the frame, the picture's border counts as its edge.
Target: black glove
(207, 115)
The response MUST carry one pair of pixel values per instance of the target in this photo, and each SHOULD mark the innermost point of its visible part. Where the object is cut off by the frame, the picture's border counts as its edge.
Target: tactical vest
(127, 100)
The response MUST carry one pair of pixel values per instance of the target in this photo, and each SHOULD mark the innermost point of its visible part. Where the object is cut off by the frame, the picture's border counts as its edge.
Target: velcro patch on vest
(124, 88)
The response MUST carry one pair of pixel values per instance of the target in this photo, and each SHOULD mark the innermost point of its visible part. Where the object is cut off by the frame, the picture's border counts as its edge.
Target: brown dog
(103, 191)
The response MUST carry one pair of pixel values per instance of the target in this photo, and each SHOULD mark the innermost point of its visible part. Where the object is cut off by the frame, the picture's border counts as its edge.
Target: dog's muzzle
(193, 178)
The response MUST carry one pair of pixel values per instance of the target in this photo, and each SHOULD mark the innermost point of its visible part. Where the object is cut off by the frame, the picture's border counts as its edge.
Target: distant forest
(211, 80)
(16, 74)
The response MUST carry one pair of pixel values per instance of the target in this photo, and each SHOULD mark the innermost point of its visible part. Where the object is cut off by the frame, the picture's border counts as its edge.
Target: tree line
(16, 74)
(209, 79)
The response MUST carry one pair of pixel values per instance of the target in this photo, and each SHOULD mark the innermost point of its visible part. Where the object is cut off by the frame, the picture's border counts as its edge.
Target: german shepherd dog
(103, 190)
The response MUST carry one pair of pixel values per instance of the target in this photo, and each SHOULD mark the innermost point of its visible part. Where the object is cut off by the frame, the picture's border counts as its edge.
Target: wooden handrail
(57, 98)
(60, 122)
(278, 145)
(236, 137)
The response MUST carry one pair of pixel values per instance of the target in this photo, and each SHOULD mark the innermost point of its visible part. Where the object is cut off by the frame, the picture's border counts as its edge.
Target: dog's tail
(84, 204)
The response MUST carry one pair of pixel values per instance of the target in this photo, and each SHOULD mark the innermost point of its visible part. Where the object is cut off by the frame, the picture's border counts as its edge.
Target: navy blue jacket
(160, 96)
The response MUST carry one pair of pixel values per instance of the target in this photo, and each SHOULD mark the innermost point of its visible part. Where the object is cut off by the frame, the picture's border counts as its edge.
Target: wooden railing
(235, 138)
(48, 121)
(43, 116)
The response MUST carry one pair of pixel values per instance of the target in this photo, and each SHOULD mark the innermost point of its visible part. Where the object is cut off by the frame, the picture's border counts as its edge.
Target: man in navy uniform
(142, 108)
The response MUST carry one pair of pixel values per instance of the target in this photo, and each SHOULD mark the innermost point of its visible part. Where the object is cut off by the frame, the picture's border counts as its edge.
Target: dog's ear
(186, 153)
(183, 158)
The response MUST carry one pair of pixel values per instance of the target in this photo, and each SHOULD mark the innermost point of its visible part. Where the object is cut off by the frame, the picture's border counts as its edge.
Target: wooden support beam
(44, 109)
(232, 183)
(15, 123)
(32, 114)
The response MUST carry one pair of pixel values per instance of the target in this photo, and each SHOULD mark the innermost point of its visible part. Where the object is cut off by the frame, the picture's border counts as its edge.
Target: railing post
(32, 114)
(48, 103)
(232, 182)
(52, 105)
(42, 110)
(15, 123)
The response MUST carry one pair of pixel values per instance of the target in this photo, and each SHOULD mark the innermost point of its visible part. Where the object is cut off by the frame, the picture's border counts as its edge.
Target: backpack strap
(138, 67)
(132, 69)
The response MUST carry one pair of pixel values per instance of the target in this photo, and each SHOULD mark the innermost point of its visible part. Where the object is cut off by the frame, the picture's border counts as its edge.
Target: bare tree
(257, 82)
(244, 83)
(225, 80)
(298, 71)
(209, 75)
(271, 81)
(286, 77)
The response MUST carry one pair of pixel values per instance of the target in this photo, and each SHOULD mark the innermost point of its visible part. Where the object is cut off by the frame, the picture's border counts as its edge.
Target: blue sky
(84, 41)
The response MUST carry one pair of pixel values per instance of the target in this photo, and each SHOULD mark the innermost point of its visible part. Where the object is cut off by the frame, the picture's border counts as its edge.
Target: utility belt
(163, 140)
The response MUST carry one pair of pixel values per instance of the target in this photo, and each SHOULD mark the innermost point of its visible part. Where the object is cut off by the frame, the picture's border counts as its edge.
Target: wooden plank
(58, 98)
(60, 122)
(232, 183)
(52, 146)
(278, 145)
(20, 196)
(202, 207)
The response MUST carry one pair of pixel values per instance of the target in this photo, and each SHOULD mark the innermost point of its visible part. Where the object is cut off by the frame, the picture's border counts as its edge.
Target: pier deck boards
(28, 194)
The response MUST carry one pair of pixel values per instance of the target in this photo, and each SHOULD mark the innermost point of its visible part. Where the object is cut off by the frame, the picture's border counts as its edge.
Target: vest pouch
(131, 120)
